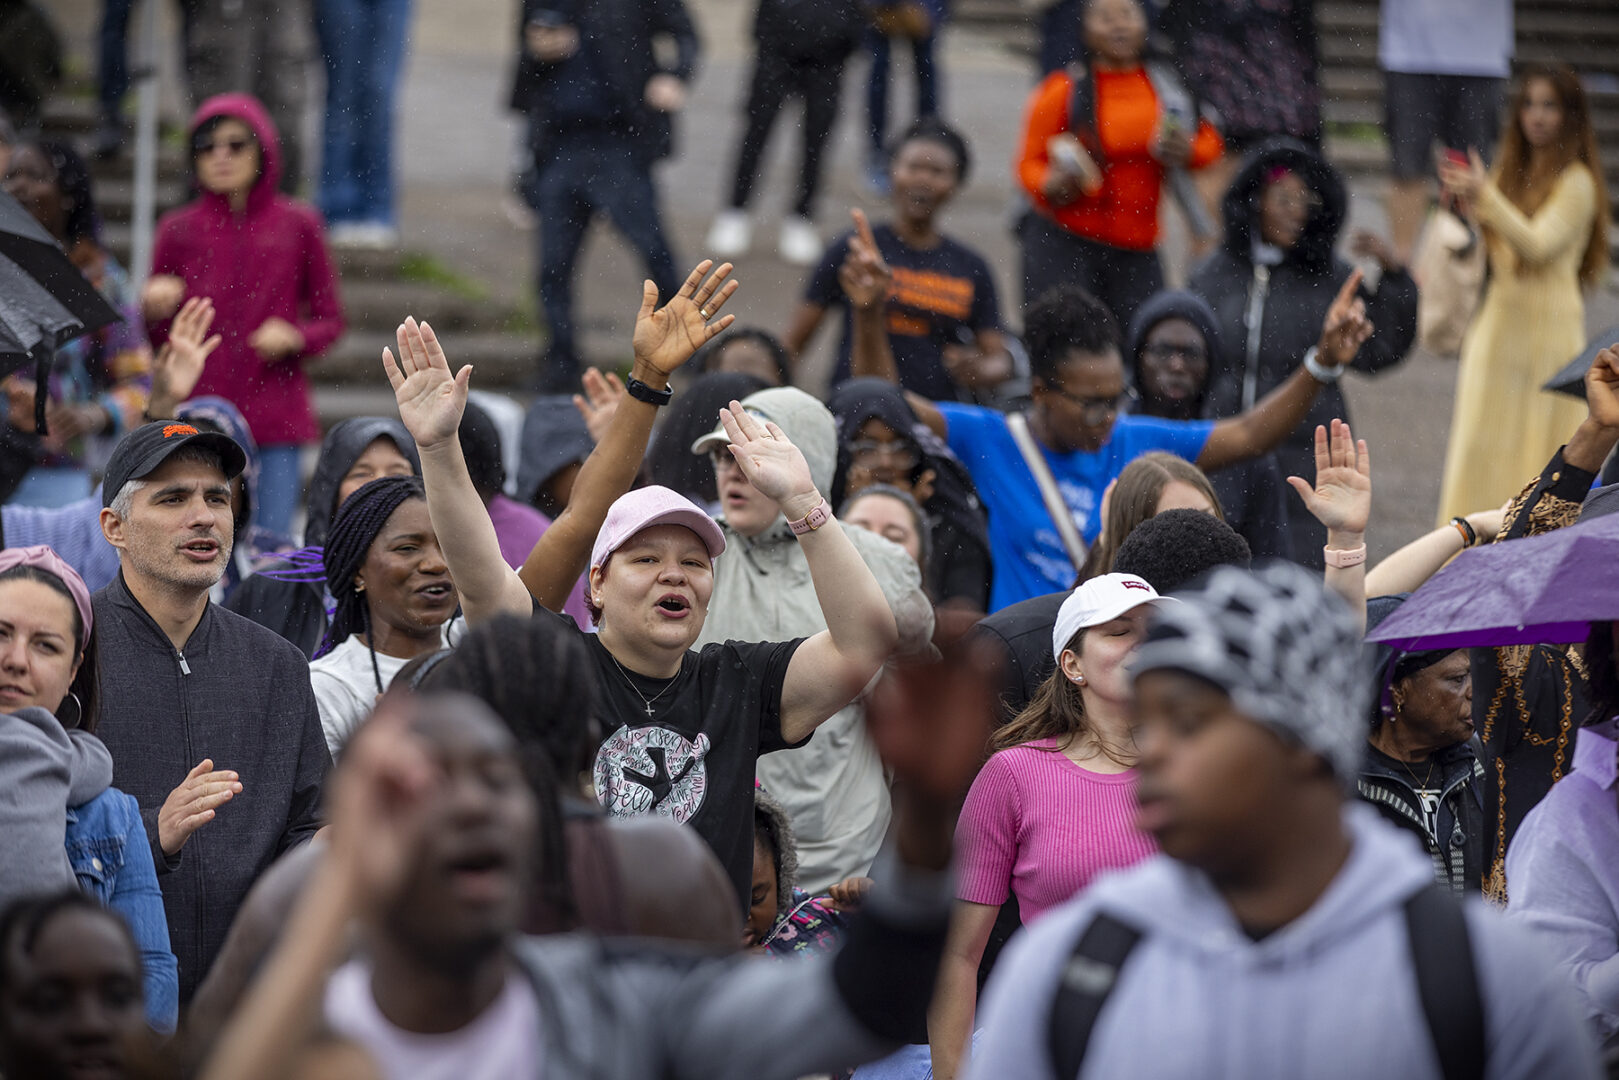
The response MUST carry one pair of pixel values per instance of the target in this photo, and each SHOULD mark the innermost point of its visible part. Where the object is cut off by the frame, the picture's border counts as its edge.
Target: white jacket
(1331, 996)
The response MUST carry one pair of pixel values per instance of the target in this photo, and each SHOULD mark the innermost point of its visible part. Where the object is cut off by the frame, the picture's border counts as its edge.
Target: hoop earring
(78, 711)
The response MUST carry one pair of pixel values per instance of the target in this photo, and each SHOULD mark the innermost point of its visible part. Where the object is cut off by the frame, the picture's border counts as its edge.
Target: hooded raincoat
(269, 261)
(833, 788)
(1330, 996)
(1270, 311)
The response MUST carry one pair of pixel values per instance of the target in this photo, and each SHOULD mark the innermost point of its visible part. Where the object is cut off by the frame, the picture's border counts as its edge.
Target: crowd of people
(1022, 708)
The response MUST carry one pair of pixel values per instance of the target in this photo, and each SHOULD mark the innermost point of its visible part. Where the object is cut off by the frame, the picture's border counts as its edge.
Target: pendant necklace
(646, 701)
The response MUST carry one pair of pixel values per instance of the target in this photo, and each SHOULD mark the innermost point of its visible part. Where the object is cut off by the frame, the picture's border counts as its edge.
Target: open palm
(666, 337)
(767, 458)
(430, 399)
(1342, 496)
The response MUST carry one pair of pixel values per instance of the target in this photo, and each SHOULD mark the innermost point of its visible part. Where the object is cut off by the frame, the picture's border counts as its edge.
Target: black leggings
(775, 78)
(1118, 277)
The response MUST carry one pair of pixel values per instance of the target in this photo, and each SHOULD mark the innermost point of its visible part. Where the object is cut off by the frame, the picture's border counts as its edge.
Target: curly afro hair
(1173, 548)
(1066, 319)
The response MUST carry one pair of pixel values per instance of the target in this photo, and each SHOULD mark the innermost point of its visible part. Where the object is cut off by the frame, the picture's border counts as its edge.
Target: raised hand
(770, 462)
(1463, 181)
(599, 403)
(931, 722)
(430, 399)
(1602, 388)
(1342, 496)
(178, 365)
(666, 337)
(1345, 328)
(864, 276)
(191, 805)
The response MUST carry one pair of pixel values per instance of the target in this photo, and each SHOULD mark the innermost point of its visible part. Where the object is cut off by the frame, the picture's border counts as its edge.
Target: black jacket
(239, 695)
(1020, 636)
(621, 34)
(1291, 300)
(290, 602)
(1458, 854)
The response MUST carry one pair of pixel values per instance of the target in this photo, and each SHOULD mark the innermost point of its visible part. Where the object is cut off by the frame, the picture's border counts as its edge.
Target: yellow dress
(1531, 322)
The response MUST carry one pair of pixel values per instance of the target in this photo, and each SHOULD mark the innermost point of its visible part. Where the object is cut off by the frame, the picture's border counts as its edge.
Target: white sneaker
(800, 244)
(351, 235)
(730, 235)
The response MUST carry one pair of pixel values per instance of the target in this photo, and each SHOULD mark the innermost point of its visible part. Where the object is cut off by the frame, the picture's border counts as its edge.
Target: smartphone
(1459, 159)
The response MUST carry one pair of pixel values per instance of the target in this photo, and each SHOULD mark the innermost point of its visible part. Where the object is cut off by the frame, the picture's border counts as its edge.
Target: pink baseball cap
(649, 506)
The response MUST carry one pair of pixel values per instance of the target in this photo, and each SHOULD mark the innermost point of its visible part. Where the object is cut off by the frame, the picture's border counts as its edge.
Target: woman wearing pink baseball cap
(686, 726)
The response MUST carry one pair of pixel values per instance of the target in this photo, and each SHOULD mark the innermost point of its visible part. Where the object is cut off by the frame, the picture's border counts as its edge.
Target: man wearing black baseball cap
(199, 705)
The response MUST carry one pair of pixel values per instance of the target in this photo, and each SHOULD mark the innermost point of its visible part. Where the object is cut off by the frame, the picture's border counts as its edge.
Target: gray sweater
(44, 769)
(237, 694)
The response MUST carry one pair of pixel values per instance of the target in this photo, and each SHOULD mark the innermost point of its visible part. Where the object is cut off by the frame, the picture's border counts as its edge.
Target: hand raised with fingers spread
(599, 403)
(1342, 496)
(178, 365)
(666, 337)
(1345, 328)
(430, 399)
(771, 462)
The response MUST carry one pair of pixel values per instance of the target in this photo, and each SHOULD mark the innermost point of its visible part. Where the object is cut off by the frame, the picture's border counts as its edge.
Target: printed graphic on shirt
(652, 770)
(1429, 797)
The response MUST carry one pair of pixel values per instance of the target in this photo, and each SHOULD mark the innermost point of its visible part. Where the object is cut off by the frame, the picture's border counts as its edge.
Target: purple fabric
(1548, 588)
(269, 261)
(519, 528)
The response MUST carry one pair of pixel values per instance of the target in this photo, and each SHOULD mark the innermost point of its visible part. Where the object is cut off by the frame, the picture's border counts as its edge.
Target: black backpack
(1442, 957)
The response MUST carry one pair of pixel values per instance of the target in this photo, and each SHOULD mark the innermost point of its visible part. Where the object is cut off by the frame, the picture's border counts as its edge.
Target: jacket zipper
(185, 668)
(1254, 320)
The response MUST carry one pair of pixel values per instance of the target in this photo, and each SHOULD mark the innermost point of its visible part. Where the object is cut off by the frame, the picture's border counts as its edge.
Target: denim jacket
(107, 846)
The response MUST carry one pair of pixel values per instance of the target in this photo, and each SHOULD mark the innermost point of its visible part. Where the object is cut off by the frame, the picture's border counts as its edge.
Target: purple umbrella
(1547, 588)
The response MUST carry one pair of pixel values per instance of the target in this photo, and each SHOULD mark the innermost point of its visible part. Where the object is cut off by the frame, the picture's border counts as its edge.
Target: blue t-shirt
(1028, 552)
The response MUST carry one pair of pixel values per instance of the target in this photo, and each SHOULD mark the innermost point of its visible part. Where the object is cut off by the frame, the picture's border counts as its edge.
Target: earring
(359, 586)
(78, 711)
(1079, 680)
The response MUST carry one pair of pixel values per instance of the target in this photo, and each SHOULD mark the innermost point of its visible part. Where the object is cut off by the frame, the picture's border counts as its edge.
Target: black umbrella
(44, 301)
(1571, 380)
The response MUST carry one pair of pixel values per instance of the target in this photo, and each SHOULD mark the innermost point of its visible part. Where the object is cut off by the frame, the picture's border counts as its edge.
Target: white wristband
(1318, 371)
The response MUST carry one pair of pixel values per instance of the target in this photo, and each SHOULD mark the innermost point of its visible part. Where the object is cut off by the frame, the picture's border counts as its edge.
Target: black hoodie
(1252, 494)
(1292, 298)
(293, 603)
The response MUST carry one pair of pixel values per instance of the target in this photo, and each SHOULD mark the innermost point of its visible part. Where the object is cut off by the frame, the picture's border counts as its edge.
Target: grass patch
(425, 269)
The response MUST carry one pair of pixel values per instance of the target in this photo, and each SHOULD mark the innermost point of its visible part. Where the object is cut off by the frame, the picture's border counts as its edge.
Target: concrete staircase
(378, 288)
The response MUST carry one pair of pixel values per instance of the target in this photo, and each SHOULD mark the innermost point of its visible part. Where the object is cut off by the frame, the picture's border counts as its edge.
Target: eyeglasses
(1192, 354)
(1097, 410)
(898, 453)
(233, 147)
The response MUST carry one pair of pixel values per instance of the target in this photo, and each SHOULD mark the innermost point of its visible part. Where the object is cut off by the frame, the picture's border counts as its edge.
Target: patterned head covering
(1283, 648)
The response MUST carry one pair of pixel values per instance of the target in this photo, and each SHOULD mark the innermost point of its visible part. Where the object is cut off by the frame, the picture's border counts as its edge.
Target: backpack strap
(1447, 981)
(1087, 979)
(1062, 518)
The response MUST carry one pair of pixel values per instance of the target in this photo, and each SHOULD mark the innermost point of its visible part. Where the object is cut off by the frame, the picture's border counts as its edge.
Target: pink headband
(1276, 173)
(43, 558)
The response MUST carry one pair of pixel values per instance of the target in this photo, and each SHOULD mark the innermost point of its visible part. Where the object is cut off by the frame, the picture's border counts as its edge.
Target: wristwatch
(1344, 558)
(640, 391)
(1318, 371)
(812, 520)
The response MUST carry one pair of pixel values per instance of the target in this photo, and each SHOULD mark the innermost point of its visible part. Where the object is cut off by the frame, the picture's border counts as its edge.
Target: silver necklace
(647, 701)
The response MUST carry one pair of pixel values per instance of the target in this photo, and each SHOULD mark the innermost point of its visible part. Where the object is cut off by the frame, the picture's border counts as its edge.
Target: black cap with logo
(150, 445)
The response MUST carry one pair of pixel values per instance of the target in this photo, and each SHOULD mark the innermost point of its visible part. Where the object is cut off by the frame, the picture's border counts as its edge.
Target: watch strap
(1319, 371)
(640, 391)
(812, 520)
(1344, 558)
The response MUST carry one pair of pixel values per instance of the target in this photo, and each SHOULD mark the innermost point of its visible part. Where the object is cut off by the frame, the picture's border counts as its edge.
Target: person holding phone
(1098, 142)
(1543, 212)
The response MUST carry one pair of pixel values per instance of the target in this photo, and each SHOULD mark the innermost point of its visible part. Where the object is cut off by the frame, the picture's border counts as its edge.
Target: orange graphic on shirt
(927, 291)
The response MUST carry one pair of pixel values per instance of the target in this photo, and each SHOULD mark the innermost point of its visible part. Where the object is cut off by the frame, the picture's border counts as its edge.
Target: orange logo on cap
(171, 430)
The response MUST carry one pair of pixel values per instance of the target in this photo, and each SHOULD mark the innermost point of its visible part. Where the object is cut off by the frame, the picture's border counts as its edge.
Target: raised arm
(1262, 427)
(832, 667)
(1564, 220)
(665, 338)
(1406, 569)
(1342, 501)
(866, 281)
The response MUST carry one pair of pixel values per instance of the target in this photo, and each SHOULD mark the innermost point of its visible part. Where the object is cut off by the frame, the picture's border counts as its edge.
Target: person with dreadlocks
(394, 600)
(97, 385)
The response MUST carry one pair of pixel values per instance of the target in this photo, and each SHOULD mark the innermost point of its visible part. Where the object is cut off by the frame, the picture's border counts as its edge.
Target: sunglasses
(233, 147)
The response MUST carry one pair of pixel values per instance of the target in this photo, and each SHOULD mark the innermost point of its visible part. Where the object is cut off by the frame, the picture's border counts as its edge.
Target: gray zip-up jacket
(240, 695)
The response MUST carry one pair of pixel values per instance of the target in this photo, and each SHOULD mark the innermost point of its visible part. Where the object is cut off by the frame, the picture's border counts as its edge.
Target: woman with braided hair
(394, 600)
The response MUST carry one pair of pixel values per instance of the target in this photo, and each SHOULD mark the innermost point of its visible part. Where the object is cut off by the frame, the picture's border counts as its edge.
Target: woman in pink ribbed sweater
(1055, 804)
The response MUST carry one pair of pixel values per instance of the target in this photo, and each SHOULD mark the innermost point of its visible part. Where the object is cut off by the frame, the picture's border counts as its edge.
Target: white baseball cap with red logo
(1101, 599)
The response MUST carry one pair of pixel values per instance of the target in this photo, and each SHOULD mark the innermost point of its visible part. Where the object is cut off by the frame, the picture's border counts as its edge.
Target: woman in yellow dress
(1543, 210)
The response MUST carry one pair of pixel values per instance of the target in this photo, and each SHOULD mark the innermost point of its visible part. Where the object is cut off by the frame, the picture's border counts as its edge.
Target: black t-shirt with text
(940, 296)
(686, 748)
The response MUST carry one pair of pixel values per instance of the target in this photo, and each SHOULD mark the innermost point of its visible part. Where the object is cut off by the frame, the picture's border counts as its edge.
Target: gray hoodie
(833, 788)
(44, 769)
(1331, 996)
